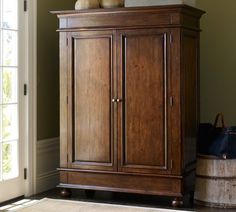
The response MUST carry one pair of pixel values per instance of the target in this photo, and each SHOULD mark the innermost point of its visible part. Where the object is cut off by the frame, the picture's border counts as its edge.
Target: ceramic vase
(112, 3)
(86, 4)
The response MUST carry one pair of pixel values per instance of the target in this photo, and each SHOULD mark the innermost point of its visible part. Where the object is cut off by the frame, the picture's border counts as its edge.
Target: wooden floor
(121, 198)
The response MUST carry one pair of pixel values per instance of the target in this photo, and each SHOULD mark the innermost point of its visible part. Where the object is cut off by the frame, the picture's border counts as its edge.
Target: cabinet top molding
(130, 17)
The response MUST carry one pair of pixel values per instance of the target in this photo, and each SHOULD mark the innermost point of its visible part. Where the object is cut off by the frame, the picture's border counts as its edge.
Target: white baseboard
(48, 154)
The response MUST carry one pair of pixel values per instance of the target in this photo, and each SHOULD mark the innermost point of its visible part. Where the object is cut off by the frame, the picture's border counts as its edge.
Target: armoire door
(90, 107)
(143, 144)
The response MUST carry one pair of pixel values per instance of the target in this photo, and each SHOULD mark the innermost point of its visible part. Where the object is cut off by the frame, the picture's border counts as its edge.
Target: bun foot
(89, 193)
(66, 192)
(178, 202)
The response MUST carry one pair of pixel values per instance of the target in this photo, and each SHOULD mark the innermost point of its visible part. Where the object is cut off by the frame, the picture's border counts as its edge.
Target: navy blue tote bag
(216, 140)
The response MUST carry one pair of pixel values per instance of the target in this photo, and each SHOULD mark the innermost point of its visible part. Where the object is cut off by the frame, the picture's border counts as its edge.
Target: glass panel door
(9, 99)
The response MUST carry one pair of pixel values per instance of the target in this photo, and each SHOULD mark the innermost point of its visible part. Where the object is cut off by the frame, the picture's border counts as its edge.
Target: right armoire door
(143, 101)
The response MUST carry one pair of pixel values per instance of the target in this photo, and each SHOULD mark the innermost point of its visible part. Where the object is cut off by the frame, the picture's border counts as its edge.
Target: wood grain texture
(162, 16)
(63, 100)
(92, 58)
(144, 89)
(132, 79)
(190, 95)
(92, 109)
(174, 111)
(145, 100)
(215, 182)
(131, 184)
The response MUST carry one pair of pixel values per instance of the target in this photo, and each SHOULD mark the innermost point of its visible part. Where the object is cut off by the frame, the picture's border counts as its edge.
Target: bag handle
(221, 116)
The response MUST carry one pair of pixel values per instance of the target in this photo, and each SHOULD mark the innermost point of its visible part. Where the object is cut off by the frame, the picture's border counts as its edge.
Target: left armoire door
(91, 100)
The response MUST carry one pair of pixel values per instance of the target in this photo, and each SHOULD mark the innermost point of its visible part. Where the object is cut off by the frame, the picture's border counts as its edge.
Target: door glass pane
(9, 121)
(1, 44)
(9, 14)
(9, 85)
(10, 48)
(10, 160)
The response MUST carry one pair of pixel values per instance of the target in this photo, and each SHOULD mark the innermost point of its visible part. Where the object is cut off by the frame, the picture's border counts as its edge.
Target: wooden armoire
(129, 99)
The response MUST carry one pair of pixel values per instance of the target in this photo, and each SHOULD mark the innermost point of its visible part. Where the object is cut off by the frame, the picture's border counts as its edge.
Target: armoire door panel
(143, 140)
(92, 111)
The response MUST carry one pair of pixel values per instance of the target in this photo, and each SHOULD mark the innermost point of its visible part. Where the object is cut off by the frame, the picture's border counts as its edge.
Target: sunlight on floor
(17, 205)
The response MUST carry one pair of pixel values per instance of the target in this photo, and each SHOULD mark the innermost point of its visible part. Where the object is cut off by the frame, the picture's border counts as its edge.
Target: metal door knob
(116, 100)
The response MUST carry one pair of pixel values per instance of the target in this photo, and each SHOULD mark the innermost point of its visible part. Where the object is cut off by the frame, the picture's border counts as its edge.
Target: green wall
(48, 67)
(218, 59)
(218, 63)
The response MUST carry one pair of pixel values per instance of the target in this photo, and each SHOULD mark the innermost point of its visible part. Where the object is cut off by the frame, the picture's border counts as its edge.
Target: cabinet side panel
(92, 91)
(190, 97)
(174, 113)
(63, 99)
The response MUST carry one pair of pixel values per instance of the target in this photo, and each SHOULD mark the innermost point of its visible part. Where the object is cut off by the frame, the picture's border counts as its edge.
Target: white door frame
(27, 53)
(31, 105)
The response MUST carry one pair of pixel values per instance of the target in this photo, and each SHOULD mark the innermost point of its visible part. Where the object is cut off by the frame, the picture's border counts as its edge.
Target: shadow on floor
(114, 198)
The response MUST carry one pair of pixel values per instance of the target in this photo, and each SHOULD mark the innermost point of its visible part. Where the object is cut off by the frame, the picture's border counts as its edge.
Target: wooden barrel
(215, 182)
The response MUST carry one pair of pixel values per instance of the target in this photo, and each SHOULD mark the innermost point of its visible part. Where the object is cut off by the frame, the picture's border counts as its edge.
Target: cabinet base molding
(122, 183)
